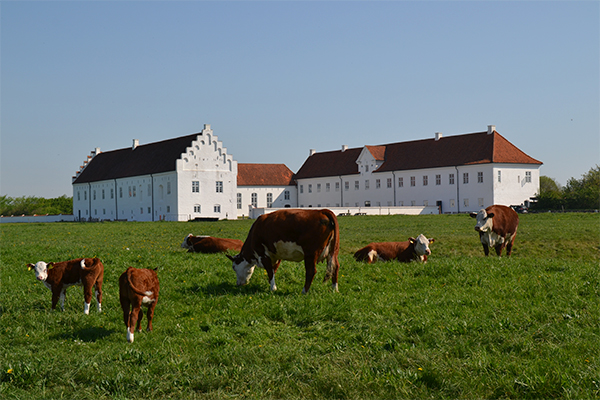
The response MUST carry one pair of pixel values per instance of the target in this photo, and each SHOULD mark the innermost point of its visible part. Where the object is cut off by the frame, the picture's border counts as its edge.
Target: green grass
(461, 326)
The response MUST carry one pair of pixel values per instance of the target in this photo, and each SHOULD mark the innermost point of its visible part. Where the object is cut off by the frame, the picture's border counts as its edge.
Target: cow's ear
(473, 215)
(411, 240)
(50, 266)
(490, 215)
(230, 257)
(30, 267)
(431, 240)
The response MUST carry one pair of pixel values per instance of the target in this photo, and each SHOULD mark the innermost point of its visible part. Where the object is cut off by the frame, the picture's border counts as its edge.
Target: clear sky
(275, 79)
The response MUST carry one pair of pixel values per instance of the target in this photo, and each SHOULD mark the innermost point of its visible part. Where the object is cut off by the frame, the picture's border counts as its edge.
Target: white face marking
(484, 224)
(41, 270)
(372, 255)
(244, 270)
(185, 244)
(422, 246)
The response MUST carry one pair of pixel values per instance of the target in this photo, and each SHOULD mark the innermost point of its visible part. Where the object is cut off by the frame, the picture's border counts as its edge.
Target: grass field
(461, 326)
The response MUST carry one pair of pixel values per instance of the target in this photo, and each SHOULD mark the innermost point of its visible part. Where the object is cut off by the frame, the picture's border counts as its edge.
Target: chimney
(311, 152)
(344, 147)
(96, 152)
(491, 129)
(438, 136)
(136, 143)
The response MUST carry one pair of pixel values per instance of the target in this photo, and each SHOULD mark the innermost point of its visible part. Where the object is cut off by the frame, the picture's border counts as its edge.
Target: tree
(583, 193)
(550, 194)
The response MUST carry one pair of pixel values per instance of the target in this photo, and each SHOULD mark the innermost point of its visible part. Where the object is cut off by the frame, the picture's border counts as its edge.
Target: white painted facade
(253, 197)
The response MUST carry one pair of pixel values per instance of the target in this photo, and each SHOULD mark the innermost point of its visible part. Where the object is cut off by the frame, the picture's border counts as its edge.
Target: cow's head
(421, 245)
(187, 243)
(41, 269)
(484, 220)
(243, 269)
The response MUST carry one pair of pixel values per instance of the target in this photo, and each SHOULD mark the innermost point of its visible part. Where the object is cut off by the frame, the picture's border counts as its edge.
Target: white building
(460, 173)
(180, 179)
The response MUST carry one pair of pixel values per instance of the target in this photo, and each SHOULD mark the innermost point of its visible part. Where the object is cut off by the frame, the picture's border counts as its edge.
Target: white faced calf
(87, 272)
(137, 288)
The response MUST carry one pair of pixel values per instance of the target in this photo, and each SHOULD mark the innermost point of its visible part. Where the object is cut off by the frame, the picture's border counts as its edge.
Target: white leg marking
(129, 336)
(86, 309)
(334, 286)
(273, 285)
(303, 291)
(62, 299)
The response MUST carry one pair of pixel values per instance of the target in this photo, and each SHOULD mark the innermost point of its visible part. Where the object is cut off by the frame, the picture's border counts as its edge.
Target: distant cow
(497, 226)
(137, 288)
(209, 244)
(294, 235)
(88, 272)
(412, 249)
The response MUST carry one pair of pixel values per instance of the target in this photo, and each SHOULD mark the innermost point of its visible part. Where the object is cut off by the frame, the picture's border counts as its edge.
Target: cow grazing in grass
(87, 272)
(137, 288)
(497, 226)
(209, 244)
(412, 249)
(294, 235)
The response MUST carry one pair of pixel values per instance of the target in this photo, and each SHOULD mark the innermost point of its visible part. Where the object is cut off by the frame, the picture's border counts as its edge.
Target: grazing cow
(137, 288)
(497, 226)
(57, 277)
(294, 235)
(209, 244)
(412, 249)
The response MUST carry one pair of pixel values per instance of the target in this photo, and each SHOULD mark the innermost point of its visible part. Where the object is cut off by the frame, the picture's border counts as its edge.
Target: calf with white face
(412, 249)
(497, 226)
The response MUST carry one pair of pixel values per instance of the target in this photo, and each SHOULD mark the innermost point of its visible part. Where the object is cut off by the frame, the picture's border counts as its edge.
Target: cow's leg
(56, 295)
(87, 295)
(509, 245)
(140, 317)
(268, 266)
(498, 249)
(133, 317)
(310, 265)
(486, 249)
(63, 296)
(126, 307)
(334, 275)
(150, 315)
(99, 294)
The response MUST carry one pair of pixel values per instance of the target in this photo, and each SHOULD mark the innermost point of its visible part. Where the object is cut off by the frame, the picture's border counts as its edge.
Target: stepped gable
(144, 159)
(264, 175)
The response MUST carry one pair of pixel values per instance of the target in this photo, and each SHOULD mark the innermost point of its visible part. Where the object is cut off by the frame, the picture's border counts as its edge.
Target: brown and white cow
(88, 272)
(209, 244)
(412, 249)
(497, 226)
(294, 235)
(137, 288)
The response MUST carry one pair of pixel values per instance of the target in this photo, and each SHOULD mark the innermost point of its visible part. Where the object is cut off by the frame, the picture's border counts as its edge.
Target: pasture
(461, 326)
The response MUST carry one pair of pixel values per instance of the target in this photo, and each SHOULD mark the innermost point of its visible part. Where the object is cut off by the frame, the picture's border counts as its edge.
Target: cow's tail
(333, 265)
(95, 263)
(133, 288)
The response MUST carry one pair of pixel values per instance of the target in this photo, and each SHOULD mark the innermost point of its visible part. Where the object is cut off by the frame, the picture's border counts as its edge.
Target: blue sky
(278, 78)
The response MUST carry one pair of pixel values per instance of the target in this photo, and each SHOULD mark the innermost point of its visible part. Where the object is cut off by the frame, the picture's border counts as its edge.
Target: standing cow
(137, 288)
(412, 249)
(294, 235)
(497, 226)
(86, 272)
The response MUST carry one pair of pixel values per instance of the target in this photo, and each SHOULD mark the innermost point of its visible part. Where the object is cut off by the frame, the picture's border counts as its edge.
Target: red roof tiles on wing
(264, 175)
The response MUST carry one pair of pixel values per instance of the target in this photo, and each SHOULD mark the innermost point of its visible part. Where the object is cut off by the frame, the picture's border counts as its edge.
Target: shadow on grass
(228, 288)
(90, 334)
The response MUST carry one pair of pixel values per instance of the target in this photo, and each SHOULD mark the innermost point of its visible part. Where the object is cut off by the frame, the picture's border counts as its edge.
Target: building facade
(460, 173)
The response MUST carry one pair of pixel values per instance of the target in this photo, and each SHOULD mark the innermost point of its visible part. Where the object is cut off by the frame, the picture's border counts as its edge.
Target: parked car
(520, 209)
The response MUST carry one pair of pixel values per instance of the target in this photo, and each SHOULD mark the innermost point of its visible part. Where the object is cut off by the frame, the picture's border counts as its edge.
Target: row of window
(413, 203)
(196, 186)
(132, 189)
(254, 199)
(413, 182)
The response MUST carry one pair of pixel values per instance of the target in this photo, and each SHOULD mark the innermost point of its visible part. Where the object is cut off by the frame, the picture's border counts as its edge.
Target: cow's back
(506, 220)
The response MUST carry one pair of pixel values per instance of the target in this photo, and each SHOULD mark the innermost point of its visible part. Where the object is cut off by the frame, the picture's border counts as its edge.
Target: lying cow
(88, 272)
(497, 226)
(209, 244)
(412, 249)
(137, 288)
(294, 235)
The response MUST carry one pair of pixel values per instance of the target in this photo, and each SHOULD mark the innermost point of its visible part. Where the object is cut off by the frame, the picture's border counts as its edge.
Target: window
(219, 189)
(94, 194)
(103, 197)
(168, 209)
(217, 208)
(426, 203)
(451, 179)
(310, 188)
(452, 203)
(346, 185)
(197, 208)
(337, 186)
(327, 187)
(356, 185)
(425, 180)
(465, 178)
(318, 188)
(286, 195)
(84, 195)
(400, 182)
(438, 180)
(149, 210)
(195, 186)
(254, 199)
(141, 210)
(149, 190)
(377, 183)
(301, 188)
(121, 192)
(269, 200)
(168, 187)
(133, 189)
(499, 176)
(413, 203)
(466, 202)
(412, 181)
(528, 176)
(480, 177)
(112, 193)
(367, 184)
(78, 195)
(389, 182)
(239, 201)
(480, 202)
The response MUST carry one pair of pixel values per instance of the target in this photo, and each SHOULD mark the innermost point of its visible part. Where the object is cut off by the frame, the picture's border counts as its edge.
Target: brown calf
(209, 244)
(497, 226)
(137, 288)
(88, 272)
(412, 249)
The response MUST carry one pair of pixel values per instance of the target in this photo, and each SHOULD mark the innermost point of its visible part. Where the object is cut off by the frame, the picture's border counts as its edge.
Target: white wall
(278, 195)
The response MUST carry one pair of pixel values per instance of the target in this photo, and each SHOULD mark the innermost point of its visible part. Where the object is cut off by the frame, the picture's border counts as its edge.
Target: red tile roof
(264, 175)
(473, 148)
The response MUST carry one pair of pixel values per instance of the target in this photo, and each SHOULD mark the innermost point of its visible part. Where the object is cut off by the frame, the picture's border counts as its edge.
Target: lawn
(461, 326)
